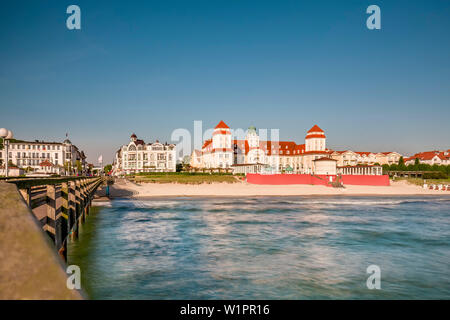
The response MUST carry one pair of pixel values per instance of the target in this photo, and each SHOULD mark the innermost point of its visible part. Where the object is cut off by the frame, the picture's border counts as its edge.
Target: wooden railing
(59, 204)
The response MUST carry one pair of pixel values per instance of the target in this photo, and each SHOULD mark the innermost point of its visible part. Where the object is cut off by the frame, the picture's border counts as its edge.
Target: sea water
(266, 248)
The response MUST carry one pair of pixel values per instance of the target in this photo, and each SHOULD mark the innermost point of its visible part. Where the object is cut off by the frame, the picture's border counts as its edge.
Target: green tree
(68, 167)
(79, 166)
(393, 167)
(107, 168)
(401, 164)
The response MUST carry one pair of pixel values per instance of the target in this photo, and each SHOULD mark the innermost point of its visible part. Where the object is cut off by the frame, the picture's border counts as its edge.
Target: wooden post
(77, 207)
(72, 206)
(49, 226)
(82, 201)
(26, 194)
(63, 219)
(88, 197)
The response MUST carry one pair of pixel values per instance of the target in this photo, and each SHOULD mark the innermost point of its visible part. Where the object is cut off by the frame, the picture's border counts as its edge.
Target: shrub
(435, 175)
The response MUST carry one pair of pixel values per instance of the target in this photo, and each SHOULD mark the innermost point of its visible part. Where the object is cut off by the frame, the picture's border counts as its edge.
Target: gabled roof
(428, 155)
(206, 143)
(315, 129)
(46, 163)
(362, 153)
(222, 125)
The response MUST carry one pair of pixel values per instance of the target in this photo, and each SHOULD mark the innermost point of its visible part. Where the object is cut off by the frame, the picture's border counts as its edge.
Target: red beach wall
(285, 179)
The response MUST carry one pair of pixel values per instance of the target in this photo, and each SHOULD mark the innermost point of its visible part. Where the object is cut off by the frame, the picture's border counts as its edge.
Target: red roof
(315, 129)
(46, 163)
(222, 125)
(318, 152)
(310, 136)
(206, 143)
(362, 153)
(286, 148)
(428, 155)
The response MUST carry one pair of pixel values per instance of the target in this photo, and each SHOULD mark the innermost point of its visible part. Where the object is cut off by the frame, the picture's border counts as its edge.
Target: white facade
(325, 166)
(137, 156)
(274, 156)
(353, 158)
(45, 157)
(439, 157)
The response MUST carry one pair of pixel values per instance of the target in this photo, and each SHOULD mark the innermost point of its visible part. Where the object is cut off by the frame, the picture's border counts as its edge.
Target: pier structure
(37, 218)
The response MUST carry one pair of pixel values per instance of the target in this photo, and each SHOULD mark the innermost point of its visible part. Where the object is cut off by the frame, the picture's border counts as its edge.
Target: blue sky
(152, 66)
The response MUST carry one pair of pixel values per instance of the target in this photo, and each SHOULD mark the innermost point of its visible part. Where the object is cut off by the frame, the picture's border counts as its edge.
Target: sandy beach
(125, 188)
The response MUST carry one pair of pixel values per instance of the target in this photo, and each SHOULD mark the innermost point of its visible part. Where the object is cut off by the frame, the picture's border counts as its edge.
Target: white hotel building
(222, 151)
(137, 156)
(41, 157)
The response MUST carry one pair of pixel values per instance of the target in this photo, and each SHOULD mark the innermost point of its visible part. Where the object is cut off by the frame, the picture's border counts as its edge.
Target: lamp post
(6, 135)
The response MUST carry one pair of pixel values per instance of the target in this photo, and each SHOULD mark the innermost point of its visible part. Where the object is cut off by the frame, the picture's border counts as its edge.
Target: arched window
(132, 148)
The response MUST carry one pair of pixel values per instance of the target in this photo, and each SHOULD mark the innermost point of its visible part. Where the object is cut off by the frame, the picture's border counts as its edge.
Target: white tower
(252, 137)
(315, 139)
(221, 136)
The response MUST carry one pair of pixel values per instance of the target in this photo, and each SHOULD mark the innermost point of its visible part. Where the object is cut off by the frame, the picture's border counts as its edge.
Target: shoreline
(129, 190)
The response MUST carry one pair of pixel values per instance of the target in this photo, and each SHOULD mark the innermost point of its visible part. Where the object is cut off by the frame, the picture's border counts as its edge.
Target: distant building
(250, 154)
(430, 157)
(40, 157)
(353, 158)
(273, 156)
(325, 166)
(137, 156)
